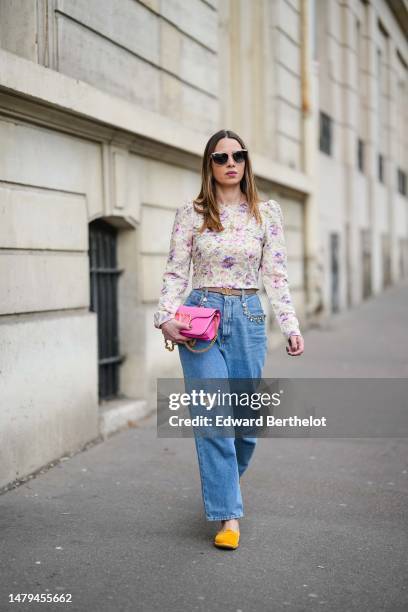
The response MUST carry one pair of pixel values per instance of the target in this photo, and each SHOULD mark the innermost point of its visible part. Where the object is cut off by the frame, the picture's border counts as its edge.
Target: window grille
(104, 301)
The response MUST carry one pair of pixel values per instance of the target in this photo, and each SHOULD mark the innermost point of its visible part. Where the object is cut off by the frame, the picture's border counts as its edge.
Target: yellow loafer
(227, 539)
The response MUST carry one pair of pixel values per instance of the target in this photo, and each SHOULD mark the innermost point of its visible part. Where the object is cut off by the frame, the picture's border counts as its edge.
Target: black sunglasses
(222, 158)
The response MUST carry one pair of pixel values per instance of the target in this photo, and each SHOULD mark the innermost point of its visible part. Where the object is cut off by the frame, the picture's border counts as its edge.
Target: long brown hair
(206, 202)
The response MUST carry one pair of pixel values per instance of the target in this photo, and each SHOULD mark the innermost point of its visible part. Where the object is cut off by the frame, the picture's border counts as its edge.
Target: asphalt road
(121, 525)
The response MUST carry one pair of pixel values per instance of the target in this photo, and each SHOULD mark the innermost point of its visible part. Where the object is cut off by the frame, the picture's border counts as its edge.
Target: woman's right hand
(171, 331)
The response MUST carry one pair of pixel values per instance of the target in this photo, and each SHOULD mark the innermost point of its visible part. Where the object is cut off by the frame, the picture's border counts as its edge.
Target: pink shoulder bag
(204, 326)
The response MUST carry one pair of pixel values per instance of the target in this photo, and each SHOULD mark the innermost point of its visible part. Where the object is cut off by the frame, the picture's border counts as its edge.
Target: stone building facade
(361, 180)
(105, 108)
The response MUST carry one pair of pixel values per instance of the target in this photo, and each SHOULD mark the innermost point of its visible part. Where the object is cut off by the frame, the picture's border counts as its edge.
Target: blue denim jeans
(239, 352)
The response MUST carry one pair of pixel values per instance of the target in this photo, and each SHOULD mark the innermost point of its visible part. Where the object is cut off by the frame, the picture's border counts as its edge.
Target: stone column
(392, 157)
(349, 131)
(310, 111)
(372, 142)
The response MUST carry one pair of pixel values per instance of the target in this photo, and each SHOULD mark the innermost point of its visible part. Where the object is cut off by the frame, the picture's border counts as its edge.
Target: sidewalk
(368, 341)
(121, 526)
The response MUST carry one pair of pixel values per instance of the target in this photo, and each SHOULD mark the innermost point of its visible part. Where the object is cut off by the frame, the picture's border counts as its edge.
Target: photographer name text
(259, 421)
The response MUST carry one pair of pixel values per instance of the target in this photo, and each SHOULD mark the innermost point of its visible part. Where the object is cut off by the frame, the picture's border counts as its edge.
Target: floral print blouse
(231, 258)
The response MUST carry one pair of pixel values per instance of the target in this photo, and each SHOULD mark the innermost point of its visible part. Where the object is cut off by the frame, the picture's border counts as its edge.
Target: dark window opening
(325, 135)
(104, 301)
(402, 181)
(360, 155)
(381, 168)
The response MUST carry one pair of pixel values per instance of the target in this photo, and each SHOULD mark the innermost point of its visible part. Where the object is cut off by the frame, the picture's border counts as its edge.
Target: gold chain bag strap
(188, 344)
(204, 325)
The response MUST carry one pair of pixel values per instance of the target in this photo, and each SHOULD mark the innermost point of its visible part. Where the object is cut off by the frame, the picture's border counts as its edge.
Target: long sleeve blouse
(231, 258)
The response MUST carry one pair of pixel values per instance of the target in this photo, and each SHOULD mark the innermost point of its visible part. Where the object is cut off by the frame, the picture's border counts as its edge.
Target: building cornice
(31, 92)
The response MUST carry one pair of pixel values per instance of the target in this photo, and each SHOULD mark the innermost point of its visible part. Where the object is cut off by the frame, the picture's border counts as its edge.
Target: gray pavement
(121, 525)
(371, 340)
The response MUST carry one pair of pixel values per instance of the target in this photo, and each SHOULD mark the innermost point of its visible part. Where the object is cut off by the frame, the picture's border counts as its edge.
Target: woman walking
(229, 235)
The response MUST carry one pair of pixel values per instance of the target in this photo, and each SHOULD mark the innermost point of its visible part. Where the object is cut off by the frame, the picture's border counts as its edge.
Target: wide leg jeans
(238, 353)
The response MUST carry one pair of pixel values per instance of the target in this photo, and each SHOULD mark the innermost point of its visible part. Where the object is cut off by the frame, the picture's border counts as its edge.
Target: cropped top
(231, 258)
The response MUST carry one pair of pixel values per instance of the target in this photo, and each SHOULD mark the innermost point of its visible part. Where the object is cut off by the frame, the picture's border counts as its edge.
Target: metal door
(366, 262)
(334, 271)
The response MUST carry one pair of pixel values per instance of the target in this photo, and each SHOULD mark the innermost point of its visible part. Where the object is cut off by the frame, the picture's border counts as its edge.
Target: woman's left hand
(296, 346)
